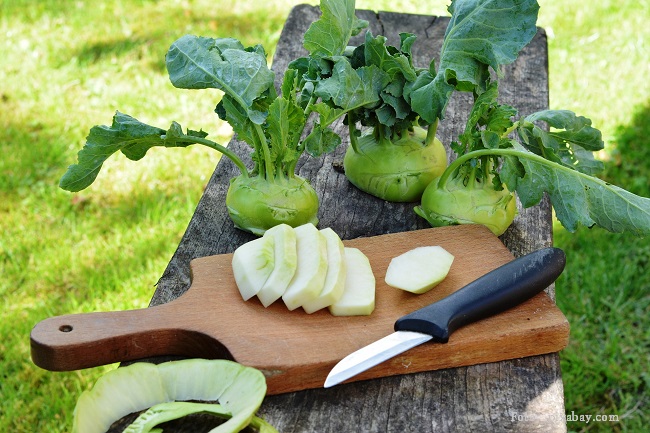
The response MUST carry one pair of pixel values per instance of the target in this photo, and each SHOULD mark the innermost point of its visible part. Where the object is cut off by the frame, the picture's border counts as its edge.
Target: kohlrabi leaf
(237, 116)
(579, 198)
(239, 390)
(572, 141)
(348, 88)
(321, 140)
(200, 63)
(487, 123)
(133, 138)
(482, 34)
(285, 124)
(329, 35)
(328, 114)
(429, 96)
(128, 135)
(395, 63)
(406, 42)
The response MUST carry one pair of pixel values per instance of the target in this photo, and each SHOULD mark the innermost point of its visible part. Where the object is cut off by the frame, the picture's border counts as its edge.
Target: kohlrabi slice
(136, 387)
(286, 261)
(420, 269)
(311, 270)
(335, 277)
(252, 264)
(358, 297)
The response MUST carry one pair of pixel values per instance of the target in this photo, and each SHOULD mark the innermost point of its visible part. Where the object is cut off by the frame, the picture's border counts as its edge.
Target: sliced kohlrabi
(311, 271)
(420, 269)
(252, 264)
(335, 278)
(240, 390)
(286, 261)
(358, 297)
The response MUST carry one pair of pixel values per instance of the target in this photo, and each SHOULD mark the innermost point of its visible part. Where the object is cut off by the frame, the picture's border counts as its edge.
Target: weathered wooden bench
(521, 395)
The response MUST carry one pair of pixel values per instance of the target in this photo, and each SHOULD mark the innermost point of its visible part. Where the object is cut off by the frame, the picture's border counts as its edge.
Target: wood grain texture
(297, 350)
(521, 395)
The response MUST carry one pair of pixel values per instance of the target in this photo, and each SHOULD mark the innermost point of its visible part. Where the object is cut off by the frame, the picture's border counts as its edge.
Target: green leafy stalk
(482, 34)
(578, 198)
(329, 35)
(391, 115)
(270, 192)
(559, 162)
(225, 64)
(133, 138)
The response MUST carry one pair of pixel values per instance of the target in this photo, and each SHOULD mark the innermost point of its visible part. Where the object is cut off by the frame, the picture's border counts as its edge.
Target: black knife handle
(494, 292)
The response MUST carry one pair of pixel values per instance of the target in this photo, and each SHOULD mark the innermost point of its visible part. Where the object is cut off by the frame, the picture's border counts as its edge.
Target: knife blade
(495, 292)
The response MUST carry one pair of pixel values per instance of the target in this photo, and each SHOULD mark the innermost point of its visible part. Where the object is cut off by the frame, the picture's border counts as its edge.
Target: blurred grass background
(66, 66)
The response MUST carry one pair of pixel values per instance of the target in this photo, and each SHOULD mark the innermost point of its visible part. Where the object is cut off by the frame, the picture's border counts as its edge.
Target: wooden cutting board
(296, 350)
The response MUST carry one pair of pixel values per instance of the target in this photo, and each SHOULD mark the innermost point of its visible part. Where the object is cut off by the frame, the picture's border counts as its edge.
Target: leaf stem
(218, 147)
(499, 152)
(352, 132)
(431, 132)
(268, 163)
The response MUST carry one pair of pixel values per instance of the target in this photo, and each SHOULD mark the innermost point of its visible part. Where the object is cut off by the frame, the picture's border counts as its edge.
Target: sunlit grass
(65, 69)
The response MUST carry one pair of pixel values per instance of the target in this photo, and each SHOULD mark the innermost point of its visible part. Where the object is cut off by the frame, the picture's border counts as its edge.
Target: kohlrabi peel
(163, 412)
(239, 390)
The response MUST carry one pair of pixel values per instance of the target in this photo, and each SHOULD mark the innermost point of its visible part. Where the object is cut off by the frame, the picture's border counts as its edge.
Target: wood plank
(486, 397)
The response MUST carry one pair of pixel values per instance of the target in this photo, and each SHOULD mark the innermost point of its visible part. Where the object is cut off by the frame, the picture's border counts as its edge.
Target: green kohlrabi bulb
(462, 202)
(396, 171)
(255, 204)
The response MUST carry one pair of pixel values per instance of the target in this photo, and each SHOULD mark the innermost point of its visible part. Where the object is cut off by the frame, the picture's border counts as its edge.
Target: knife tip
(330, 382)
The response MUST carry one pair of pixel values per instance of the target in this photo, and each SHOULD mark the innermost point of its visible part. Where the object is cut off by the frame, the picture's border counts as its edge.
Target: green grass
(65, 69)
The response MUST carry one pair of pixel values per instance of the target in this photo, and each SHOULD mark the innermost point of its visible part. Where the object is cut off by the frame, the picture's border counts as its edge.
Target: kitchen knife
(494, 292)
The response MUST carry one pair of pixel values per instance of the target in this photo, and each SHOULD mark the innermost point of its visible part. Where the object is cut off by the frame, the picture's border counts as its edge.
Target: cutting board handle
(77, 341)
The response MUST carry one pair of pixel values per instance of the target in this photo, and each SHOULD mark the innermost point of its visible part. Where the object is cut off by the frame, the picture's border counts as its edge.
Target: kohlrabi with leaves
(397, 158)
(497, 154)
(273, 124)
(394, 158)
(394, 153)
